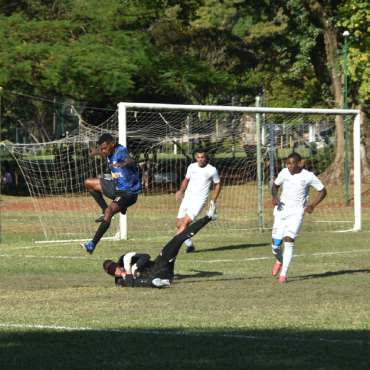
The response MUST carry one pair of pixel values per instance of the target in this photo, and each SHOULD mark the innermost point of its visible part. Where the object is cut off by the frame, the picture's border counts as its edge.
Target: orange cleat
(276, 268)
(282, 279)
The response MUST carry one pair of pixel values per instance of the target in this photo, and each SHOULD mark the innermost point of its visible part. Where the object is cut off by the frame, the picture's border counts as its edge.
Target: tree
(97, 52)
(312, 44)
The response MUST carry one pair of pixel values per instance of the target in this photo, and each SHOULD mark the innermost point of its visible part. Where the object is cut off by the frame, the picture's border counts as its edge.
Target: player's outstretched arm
(274, 193)
(320, 197)
(127, 163)
(183, 186)
(96, 152)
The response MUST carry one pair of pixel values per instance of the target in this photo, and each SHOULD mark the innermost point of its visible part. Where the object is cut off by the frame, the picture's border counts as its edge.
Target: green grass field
(58, 309)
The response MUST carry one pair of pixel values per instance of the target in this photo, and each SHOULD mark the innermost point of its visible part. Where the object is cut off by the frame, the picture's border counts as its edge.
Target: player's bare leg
(93, 186)
(111, 210)
(182, 224)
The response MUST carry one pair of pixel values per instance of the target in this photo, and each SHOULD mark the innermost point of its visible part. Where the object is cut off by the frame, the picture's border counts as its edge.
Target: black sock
(104, 226)
(172, 248)
(99, 199)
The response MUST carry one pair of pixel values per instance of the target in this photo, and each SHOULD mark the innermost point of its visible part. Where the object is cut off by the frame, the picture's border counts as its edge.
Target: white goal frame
(123, 107)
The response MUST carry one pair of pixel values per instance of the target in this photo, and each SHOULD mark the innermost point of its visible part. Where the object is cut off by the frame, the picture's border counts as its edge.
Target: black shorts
(122, 198)
(162, 269)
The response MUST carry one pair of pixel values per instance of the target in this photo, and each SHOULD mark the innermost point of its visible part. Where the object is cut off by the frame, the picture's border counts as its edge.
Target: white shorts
(191, 207)
(287, 225)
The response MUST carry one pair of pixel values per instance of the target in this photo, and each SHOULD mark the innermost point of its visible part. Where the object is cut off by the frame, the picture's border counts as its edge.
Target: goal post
(122, 139)
(357, 171)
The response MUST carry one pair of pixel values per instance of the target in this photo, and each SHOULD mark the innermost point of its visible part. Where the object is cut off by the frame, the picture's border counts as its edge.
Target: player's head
(112, 268)
(106, 143)
(201, 157)
(294, 162)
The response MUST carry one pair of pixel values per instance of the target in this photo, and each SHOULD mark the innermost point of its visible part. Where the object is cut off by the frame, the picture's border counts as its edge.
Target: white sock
(277, 250)
(189, 243)
(287, 258)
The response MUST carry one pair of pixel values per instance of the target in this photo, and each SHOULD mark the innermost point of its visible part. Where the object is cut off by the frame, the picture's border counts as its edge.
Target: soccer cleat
(160, 283)
(89, 247)
(282, 279)
(190, 249)
(276, 268)
(212, 211)
(101, 218)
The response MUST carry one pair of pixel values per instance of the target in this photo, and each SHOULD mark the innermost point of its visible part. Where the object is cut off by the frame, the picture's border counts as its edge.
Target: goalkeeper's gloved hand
(134, 270)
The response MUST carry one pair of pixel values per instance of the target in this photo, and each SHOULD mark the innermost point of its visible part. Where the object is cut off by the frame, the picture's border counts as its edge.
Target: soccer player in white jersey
(290, 209)
(197, 182)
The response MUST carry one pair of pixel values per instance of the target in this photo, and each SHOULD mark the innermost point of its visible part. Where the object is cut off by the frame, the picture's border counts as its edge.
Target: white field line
(196, 261)
(62, 257)
(178, 333)
(265, 258)
(35, 246)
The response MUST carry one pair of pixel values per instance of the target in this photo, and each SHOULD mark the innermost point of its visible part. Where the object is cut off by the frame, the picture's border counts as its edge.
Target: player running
(197, 182)
(138, 270)
(290, 209)
(124, 189)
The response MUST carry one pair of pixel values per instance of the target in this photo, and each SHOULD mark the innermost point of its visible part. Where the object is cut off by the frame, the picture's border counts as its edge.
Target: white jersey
(296, 190)
(200, 180)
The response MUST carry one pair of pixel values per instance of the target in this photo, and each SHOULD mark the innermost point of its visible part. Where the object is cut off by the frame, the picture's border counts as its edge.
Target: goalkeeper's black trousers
(164, 263)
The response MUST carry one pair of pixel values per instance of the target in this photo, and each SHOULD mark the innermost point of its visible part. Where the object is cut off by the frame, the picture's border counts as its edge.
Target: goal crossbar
(209, 108)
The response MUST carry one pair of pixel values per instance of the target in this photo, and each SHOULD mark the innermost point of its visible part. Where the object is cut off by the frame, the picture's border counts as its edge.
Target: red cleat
(282, 279)
(276, 268)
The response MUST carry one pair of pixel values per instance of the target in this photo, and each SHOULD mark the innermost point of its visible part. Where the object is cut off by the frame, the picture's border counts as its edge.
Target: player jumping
(290, 209)
(197, 182)
(124, 189)
(138, 270)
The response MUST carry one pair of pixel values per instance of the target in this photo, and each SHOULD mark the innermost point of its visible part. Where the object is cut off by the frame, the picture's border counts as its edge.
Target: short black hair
(201, 150)
(105, 138)
(106, 264)
(295, 156)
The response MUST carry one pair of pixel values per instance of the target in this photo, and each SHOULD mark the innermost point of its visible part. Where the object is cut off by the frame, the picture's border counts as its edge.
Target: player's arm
(217, 191)
(319, 198)
(183, 186)
(96, 152)
(143, 259)
(217, 181)
(129, 279)
(274, 193)
(128, 162)
(123, 159)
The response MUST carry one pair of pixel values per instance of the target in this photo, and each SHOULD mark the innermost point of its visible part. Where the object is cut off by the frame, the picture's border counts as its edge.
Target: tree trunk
(325, 59)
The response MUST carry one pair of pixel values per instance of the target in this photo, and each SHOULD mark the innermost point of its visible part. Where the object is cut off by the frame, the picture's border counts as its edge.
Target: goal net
(248, 146)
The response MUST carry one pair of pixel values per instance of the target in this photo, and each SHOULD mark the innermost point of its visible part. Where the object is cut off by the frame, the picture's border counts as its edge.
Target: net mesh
(163, 145)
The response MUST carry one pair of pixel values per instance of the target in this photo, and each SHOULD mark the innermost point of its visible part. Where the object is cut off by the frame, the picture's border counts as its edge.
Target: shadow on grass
(219, 280)
(330, 273)
(230, 247)
(199, 274)
(30, 348)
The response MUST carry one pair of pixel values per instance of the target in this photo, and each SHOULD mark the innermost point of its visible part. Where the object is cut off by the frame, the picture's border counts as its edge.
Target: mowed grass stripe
(157, 332)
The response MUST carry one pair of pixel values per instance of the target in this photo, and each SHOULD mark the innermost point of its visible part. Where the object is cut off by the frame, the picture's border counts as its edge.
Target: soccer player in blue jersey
(123, 189)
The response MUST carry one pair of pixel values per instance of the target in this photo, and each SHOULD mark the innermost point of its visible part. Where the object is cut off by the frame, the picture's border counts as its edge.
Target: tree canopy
(180, 51)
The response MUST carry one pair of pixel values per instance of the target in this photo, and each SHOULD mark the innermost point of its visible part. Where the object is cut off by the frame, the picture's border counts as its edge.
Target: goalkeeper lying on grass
(137, 270)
